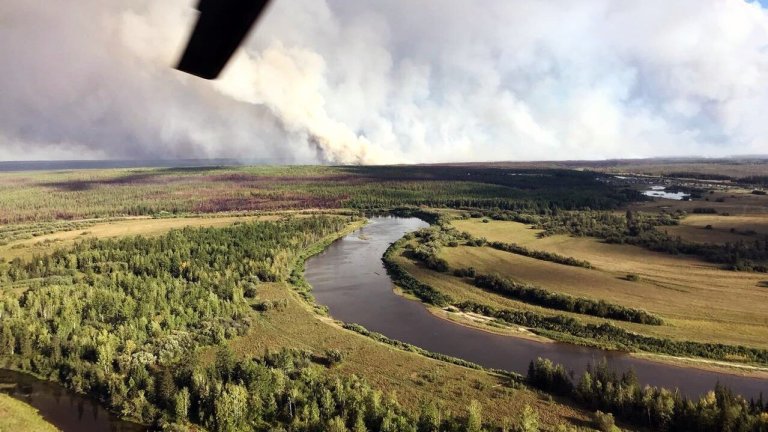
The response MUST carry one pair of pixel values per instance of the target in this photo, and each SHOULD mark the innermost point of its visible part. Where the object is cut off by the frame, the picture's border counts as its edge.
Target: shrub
(633, 277)
(249, 291)
(465, 272)
(705, 210)
(604, 422)
(334, 356)
(541, 297)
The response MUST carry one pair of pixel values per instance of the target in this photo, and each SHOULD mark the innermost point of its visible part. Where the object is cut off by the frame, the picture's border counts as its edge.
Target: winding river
(350, 279)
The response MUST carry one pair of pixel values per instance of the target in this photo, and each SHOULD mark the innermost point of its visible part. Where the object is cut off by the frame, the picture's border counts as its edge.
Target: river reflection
(350, 279)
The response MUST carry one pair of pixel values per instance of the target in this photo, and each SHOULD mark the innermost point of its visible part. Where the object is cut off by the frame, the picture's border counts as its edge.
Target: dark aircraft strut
(220, 29)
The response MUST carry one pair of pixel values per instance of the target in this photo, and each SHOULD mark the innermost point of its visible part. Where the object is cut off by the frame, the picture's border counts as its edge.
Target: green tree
(181, 405)
(336, 424)
(231, 409)
(474, 418)
(605, 422)
(529, 420)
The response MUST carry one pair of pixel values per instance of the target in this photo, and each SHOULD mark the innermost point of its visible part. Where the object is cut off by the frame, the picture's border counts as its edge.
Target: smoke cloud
(340, 81)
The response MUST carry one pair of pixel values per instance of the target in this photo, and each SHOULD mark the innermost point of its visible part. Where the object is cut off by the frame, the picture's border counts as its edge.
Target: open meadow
(697, 300)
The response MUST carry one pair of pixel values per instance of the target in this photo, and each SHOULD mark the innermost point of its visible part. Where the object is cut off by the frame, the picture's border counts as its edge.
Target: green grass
(16, 416)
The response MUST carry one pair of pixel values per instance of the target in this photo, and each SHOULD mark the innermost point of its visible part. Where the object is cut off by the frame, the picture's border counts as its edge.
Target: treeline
(286, 391)
(754, 180)
(646, 230)
(118, 193)
(103, 316)
(532, 190)
(12, 233)
(656, 408)
(541, 297)
(539, 255)
(410, 284)
(697, 175)
(616, 337)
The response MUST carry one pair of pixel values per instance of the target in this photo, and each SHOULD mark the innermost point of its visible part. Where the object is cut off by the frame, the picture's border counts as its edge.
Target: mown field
(698, 301)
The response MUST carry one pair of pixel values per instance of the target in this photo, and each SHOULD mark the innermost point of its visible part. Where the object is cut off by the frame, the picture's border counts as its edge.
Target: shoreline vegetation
(559, 328)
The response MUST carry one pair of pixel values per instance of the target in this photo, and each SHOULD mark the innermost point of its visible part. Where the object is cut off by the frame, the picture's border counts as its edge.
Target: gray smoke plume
(345, 81)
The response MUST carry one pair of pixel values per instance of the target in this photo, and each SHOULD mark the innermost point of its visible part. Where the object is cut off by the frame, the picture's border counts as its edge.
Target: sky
(397, 81)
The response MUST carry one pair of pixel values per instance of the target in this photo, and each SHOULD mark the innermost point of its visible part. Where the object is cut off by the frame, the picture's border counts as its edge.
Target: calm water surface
(661, 192)
(350, 279)
(64, 409)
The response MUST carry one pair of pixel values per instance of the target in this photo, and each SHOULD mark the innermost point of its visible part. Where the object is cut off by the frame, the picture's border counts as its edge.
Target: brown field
(694, 228)
(698, 300)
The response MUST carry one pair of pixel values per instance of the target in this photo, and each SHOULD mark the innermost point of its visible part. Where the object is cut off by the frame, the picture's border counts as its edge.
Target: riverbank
(349, 282)
(16, 416)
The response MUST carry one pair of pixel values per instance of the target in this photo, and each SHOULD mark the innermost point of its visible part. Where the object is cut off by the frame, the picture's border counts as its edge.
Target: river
(350, 279)
(68, 411)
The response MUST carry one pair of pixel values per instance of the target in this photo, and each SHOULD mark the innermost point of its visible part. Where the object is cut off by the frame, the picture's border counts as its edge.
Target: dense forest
(106, 316)
(287, 391)
(45, 197)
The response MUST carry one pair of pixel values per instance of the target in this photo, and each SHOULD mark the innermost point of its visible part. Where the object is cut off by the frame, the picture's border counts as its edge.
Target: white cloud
(395, 81)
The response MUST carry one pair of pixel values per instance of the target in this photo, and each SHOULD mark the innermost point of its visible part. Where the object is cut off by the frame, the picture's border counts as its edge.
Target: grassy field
(698, 301)
(16, 416)
(726, 167)
(721, 229)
